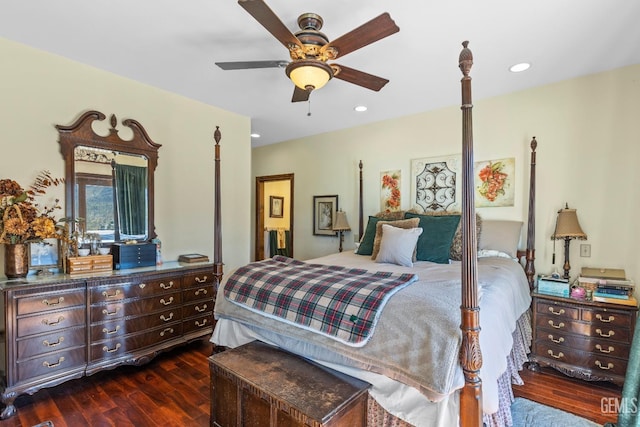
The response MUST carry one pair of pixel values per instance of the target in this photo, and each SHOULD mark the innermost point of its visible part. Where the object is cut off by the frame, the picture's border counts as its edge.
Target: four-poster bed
(507, 286)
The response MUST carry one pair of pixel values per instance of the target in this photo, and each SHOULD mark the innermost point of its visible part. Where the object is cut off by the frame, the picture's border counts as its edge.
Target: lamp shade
(309, 74)
(341, 223)
(567, 225)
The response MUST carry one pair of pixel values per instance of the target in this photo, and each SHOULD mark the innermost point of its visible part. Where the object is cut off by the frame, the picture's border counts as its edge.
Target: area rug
(526, 413)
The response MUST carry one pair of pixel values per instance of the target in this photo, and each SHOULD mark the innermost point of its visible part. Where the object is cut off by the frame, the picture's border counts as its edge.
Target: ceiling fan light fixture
(309, 74)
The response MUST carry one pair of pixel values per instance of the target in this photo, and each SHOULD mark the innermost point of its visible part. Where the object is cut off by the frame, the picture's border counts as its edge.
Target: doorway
(274, 211)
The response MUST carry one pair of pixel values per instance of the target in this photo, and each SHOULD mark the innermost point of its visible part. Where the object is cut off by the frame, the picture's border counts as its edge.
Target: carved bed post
(470, 355)
(217, 216)
(529, 268)
(360, 207)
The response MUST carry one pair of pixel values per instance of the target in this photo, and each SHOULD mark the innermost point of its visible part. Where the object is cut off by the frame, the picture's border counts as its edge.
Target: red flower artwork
(391, 183)
(493, 180)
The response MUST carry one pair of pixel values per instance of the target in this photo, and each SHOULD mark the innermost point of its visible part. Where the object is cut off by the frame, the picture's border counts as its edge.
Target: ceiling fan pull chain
(309, 111)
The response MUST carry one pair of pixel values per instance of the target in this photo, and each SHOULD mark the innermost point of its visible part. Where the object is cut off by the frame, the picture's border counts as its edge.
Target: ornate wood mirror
(109, 180)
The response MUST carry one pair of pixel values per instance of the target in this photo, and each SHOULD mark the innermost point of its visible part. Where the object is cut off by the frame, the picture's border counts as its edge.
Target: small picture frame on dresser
(44, 256)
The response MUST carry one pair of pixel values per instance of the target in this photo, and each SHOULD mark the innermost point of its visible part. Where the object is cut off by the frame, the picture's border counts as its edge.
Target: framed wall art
(435, 183)
(390, 182)
(44, 255)
(276, 207)
(493, 182)
(324, 213)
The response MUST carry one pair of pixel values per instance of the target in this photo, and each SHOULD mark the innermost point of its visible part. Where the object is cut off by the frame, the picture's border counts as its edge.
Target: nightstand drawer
(609, 318)
(582, 343)
(559, 311)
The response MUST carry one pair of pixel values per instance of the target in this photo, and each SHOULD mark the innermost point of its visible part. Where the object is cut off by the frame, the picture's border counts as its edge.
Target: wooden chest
(133, 255)
(260, 385)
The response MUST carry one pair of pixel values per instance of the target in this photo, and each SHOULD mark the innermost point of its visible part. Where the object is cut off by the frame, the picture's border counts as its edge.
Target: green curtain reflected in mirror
(131, 200)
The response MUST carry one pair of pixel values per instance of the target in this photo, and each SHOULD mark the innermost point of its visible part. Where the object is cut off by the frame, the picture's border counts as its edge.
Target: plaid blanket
(339, 302)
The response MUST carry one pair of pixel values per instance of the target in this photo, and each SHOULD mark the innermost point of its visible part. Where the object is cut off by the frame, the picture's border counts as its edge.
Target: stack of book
(552, 285)
(610, 288)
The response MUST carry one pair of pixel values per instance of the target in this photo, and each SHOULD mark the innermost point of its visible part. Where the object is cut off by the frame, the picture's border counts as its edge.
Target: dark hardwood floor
(173, 390)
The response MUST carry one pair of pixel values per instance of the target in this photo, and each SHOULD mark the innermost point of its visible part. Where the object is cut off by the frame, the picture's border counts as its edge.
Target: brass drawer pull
(199, 280)
(558, 326)
(602, 350)
(50, 303)
(110, 313)
(166, 319)
(163, 302)
(609, 320)
(557, 341)
(53, 365)
(558, 356)
(606, 368)
(111, 350)
(113, 295)
(166, 331)
(50, 323)
(169, 286)
(557, 313)
(200, 325)
(142, 285)
(46, 343)
(608, 335)
(114, 331)
(200, 310)
(201, 290)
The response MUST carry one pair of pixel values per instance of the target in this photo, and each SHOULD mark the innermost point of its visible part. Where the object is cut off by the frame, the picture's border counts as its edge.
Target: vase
(16, 260)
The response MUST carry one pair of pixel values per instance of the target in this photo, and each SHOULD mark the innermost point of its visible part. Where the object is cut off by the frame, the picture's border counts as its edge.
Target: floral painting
(390, 191)
(494, 182)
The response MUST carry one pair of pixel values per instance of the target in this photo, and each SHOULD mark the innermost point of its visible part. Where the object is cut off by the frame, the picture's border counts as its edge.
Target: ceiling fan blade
(269, 20)
(360, 78)
(245, 65)
(372, 31)
(300, 94)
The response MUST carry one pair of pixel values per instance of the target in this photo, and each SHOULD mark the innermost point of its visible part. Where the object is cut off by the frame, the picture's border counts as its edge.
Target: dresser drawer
(200, 323)
(600, 364)
(106, 312)
(50, 301)
(120, 346)
(561, 311)
(199, 293)
(126, 290)
(50, 321)
(607, 331)
(200, 278)
(118, 328)
(612, 318)
(197, 308)
(51, 363)
(63, 339)
(583, 343)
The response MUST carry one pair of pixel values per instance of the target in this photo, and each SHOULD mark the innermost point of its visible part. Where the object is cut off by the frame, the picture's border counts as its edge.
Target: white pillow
(500, 235)
(397, 245)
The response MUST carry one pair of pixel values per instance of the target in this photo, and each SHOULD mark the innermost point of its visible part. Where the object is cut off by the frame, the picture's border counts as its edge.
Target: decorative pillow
(456, 243)
(403, 223)
(434, 244)
(397, 245)
(390, 216)
(366, 243)
(501, 236)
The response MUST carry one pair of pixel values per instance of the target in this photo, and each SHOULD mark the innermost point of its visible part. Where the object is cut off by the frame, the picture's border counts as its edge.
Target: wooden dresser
(61, 327)
(582, 339)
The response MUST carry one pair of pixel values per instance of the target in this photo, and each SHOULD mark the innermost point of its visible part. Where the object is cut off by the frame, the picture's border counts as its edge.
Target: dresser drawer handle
(50, 303)
(53, 365)
(54, 323)
(111, 350)
(606, 368)
(203, 280)
(609, 320)
(110, 313)
(200, 325)
(602, 350)
(558, 356)
(166, 319)
(558, 326)
(557, 341)
(557, 313)
(142, 285)
(200, 310)
(169, 286)
(163, 302)
(201, 290)
(166, 331)
(113, 295)
(114, 331)
(46, 343)
(607, 335)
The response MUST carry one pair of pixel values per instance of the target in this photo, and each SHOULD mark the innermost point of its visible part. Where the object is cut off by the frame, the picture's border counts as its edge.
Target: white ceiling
(172, 44)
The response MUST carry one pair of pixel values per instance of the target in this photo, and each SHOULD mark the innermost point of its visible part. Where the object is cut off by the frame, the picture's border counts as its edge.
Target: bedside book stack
(611, 290)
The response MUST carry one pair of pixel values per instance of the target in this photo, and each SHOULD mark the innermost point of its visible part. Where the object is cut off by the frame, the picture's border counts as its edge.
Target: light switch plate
(585, 250)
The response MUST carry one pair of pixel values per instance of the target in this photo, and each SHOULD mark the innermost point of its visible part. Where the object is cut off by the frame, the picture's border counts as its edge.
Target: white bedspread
(504, 297)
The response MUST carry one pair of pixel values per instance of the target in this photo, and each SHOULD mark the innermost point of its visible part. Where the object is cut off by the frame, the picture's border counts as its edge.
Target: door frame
(260, 209)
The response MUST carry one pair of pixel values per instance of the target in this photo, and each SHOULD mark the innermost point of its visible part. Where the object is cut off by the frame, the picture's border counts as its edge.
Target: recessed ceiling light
(523, 66)
(360, 108)
(255, 135)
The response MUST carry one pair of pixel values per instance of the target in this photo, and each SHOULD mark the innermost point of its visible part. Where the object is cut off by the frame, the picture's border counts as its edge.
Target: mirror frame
(81, 133)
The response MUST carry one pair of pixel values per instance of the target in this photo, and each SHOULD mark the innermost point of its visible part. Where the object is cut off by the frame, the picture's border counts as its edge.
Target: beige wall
(588, 156)
(281, 189)
(40, 90)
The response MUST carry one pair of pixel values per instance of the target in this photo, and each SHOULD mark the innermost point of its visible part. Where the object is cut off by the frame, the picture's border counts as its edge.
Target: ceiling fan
(310, 50)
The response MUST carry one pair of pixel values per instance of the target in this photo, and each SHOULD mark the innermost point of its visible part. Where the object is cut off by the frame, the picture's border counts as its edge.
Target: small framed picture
(276, 207)
(44, 255)
(324, 213)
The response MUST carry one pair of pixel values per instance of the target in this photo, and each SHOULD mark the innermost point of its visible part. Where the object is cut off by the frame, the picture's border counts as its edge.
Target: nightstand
(583, 339)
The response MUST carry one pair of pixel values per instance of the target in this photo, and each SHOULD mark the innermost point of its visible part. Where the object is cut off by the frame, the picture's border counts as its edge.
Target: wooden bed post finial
(217, 216)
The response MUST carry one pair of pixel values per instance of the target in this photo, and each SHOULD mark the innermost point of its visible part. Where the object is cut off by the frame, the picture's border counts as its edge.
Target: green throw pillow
(366, 244)
(434, 244)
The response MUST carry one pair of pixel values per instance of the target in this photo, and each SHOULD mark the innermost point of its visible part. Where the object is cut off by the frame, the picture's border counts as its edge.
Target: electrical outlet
(585, 250)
